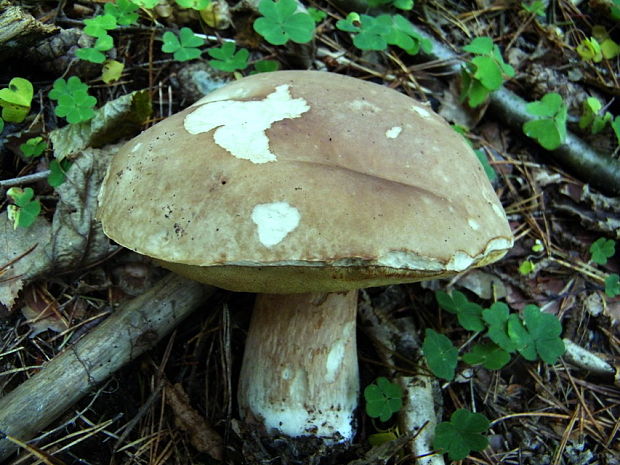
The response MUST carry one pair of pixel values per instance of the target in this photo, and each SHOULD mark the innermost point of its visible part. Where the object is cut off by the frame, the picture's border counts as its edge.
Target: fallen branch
(131, 330)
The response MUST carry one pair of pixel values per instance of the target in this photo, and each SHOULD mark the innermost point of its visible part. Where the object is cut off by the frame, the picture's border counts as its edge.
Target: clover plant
(383, 399)
(527, 267)
(25, 210)
(228, 58)
(95, 53)
(124, 11)
(400, 4)
(537, 7)
(441, 355)
(550, 128)
(265, 66)
(16, 99)
(100, 25)
(57, 172)
(484, 73)
(612, 285)
(462, 434)
(145, 3)
(602, 249)
(74, 102)
(316, 14)
(593, 117)
(33, 147)
(194, 4)
(184, 46)
(281, 22)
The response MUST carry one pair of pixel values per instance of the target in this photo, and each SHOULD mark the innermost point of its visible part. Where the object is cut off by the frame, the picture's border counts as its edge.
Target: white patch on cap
(364, 105)
(498, 210)
(423, 112)
(241, 126)
(460, 261)
(136, 147)
(274, 220)
(473, 224)
(393, 133)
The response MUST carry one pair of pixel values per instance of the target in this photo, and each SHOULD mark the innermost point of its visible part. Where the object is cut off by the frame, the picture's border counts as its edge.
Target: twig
(134, 328)
(28, 179)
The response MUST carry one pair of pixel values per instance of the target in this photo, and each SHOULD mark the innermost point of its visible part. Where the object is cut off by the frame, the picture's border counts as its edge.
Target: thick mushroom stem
(300, 374)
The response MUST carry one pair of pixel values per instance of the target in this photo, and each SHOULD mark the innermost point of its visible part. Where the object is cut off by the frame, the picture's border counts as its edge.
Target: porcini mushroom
(303, 182)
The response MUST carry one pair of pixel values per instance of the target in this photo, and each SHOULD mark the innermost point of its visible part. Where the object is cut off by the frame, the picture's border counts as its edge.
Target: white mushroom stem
(300, 373)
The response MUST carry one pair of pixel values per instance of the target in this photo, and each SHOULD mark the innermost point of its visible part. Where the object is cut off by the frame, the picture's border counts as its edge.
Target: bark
(131, 330)
(19, 29)
(300, 374)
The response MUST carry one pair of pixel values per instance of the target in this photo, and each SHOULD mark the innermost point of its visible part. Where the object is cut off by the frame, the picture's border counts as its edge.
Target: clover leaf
(227, 58)
(461, 434)
(468, 313)
(33, 147)
(74, 102)
(15, 100)
(496, 317)
(281, 22)
(441, 355)
(194, 4)
(123, 11)
(265, 66)
(383, 399)
(25, 210)
(489, 355)
(95, 54)
(591, 115)
(537, 7)
(316, 14)
(602, 249)
(615, 125)
(612, 285)
(145, 3)
(488, 169)
(57, 172)
(537, 334)
(184, 46)
(550, 129)
(100, 25)
(111, 71)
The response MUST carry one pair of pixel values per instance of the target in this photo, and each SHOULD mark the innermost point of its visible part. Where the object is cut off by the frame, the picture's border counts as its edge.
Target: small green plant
(25, 210)
(100, 25)
(124, 11)
(182, 46)
(74, 102)
(316, 14)
(265, 66)
(441, 355)
(16, 99)
(593, 117)
(376, 33)
(537, 7)
(145, 3)
(57, 172)
(614, 10)
(400, 4)
(280, 22)
(602, 249)
(462, 434)
(590, 50)
(194, 4)
(480, 154)
(111, 71)
(527, 267)
(484, 73)
(550, 128)
(612, 285)
(33, 147)
(469, 314)
(383, 399)
(95, 53)
(228, 58)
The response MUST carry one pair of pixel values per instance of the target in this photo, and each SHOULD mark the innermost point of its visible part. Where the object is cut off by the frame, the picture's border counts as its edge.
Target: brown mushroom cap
(299, 181)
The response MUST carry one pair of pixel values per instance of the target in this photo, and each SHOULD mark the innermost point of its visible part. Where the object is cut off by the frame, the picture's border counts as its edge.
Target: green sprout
(485, 72)
(57, 172)
(441, 355)
(95, 53)
(602, 249)
(194, 4)
(590, 50)
(282, 22)
(592, 116)
(461, 434)
(550, 129)
(25, 210)
(537, 7)
(228, 58)
(184, 46)
(316, 14)
(74, 102)
(383, 399)
(16, 99)
(376, 33)
(612, 285)
(123, 11)
(33, 147)
(527, 267)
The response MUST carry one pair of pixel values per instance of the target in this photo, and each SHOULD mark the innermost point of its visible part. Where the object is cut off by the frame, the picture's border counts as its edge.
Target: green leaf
(33, 147)
(15, 100)
(100, 25)
(111, 71)
(280, 22)
(609, 49)
(316, 14)
(590, 50)
(537, 7)
(227, 58)
(461, 434)
(57, 172)
(545, 330)
(496, 317)
(615, 125)
(488, 169)
(550, 129)
(184, 46)
(602, 249)
(146, 3)
(266, 66)
(441, 355)
(468, 313)
(480, 46)
(612, 285)
(74, 103)
(472, 89)
(523, 340)
(194, 4)
(489, 355)
(90, 54)
(25, 210)
(123, 11)
(1, 125)
(383, 399)
(526, 267)
(488, 72)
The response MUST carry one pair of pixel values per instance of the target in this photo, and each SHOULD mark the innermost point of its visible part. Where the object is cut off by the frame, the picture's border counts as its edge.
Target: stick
(131, 330)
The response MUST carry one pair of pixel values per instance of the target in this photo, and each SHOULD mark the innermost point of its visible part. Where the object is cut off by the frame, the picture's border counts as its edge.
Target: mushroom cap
(299, 181)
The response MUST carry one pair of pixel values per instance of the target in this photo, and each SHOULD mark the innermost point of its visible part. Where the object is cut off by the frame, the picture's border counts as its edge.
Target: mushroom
(304, 186)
